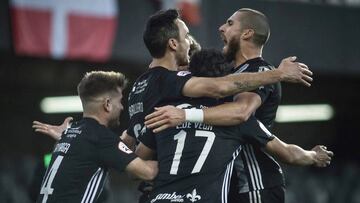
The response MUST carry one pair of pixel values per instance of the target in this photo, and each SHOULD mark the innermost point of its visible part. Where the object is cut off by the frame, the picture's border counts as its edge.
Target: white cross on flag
(72, 29)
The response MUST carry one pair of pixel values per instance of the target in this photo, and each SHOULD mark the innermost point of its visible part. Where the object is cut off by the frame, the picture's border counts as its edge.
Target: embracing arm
(145, 170)
(288, 71)
(295, 155)
(233, 113)
(128, 140)
(228, 114)
(144, 152)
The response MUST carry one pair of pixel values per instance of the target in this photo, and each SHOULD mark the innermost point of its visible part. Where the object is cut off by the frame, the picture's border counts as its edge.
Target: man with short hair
(196, 160)
(88, 148)
(260, 177)
(257, 176)
(166, 37)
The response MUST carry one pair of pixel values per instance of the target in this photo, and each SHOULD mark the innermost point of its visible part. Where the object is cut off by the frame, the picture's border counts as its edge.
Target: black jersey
(255, 168)
(196, 160)
(80, 161)
(156, 87)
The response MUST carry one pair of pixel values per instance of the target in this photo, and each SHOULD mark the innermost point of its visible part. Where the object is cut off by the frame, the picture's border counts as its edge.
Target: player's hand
(164, 117)
(295, 72)
(53, 131)
(323, 156)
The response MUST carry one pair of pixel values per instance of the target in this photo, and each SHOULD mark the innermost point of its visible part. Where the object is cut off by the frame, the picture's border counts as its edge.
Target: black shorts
(268, 195)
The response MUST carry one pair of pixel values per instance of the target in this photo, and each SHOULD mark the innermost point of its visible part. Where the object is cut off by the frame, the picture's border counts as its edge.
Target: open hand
(164, 117)
(295, 72)
(53, 131)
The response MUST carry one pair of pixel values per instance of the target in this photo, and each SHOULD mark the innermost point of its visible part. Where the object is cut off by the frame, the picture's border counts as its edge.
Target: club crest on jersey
(183, 73)
(122, 146)
(193, 197)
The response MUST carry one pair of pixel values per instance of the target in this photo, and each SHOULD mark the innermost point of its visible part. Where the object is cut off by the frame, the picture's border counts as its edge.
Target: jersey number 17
(180, 138)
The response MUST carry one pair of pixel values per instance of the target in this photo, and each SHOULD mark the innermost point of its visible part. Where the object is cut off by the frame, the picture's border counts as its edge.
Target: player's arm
(145, 170)
(288, 71)
(128, 140)
(233, 113)
(53, 131)
(113, 152)
(145, 152)
(254, 132)
(228, 114)
(295, 155)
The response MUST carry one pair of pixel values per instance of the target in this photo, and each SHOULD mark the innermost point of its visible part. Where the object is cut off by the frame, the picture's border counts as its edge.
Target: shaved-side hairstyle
(96, 83)
(257, 21)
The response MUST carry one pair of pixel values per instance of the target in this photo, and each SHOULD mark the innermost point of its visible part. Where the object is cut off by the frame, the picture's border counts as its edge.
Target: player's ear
(247, 34)
(107, 104)
(173, 44)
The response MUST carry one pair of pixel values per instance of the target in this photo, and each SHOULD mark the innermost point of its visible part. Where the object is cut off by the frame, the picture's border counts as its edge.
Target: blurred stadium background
(47, 45)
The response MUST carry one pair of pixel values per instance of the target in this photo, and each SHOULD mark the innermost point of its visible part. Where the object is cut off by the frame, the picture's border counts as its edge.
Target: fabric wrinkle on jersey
(80, 162)
(255, 168)
(186, 172)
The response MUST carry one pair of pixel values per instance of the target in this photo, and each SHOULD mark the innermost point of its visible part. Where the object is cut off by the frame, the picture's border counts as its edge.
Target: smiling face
(230, 33)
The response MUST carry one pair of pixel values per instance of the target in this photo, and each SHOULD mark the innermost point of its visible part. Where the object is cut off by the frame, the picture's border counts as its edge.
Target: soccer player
(87, 148)
(257, 176)
(260, 178)
(196, 160)
(166, 38)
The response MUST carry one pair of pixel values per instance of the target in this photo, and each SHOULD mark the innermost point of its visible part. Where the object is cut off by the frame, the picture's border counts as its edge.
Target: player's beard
(233, 48)
(114, 122)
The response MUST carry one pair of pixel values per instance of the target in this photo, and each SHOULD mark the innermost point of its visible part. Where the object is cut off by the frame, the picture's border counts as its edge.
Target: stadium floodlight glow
(64, 104)
(304, 113)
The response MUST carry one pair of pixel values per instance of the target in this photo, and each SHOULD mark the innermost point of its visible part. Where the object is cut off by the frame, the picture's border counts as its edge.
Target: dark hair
(159, 29)
(209, 63)
(253, 19)
(95, 83)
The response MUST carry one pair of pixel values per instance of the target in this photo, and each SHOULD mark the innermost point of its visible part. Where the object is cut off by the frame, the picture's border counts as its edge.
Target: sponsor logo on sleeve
(122, 146)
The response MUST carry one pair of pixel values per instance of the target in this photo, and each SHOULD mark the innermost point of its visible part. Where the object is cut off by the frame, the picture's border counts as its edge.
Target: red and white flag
(189, 9)
(72, 29)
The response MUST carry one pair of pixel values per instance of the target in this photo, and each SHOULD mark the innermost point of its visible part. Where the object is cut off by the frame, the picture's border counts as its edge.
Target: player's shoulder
(93, 129)
(259, 65)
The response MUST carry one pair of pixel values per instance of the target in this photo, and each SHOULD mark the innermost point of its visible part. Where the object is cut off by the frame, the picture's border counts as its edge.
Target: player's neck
(168, 62)
(247, 53)
(96, 117)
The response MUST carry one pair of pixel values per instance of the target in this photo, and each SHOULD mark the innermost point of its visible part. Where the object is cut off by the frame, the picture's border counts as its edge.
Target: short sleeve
(173, 83)
(135, 127)
(148, 138)
(255, 132)
(113, 152)
(262, 91)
